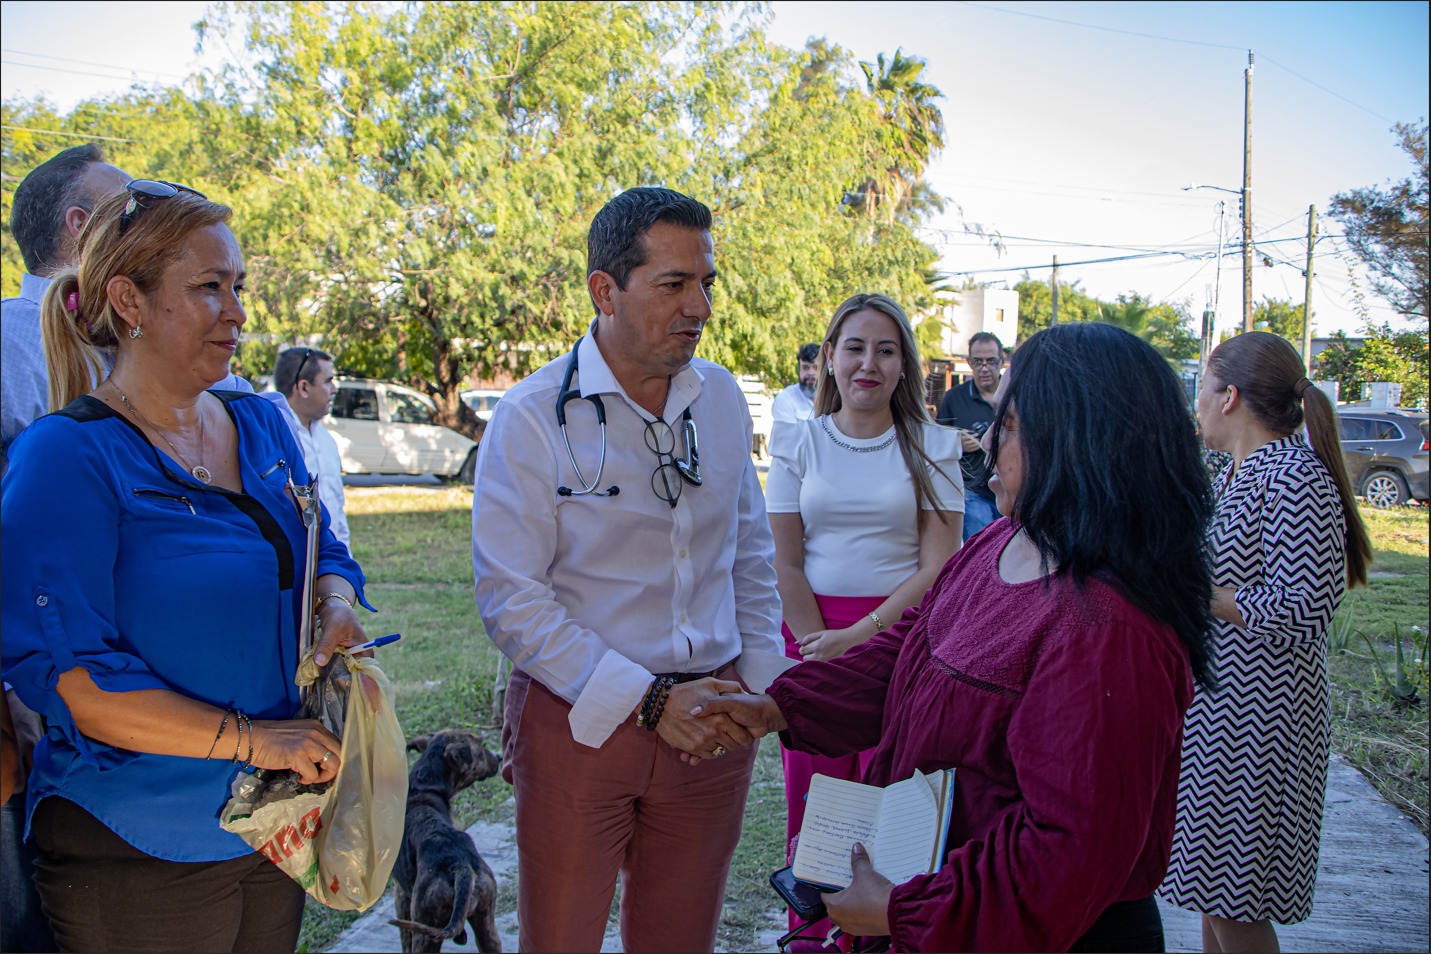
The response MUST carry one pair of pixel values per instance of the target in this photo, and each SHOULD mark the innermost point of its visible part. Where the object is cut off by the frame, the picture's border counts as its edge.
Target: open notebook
(904, 827)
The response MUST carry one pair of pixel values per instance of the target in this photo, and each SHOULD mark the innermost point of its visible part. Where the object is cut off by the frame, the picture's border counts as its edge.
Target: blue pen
(375, 643)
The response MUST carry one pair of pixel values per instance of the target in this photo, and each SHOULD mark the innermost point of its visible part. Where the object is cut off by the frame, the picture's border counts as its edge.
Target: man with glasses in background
(304, 386)
(970, 407)
(626, 571)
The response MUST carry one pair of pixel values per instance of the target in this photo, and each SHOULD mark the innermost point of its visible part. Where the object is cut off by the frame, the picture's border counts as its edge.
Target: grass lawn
(1383, 738)
(414, 543)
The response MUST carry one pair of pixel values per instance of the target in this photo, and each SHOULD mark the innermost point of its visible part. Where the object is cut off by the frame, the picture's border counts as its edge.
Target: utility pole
(1307, 302)
(1054, 282)
(1247, 198)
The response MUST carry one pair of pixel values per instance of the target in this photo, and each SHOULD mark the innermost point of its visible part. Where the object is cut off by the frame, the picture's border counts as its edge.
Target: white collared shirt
(791, 406)
(590, 595)
(321, 457)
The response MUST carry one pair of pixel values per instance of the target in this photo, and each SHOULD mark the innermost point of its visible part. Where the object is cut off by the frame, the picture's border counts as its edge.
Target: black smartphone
(802, 897)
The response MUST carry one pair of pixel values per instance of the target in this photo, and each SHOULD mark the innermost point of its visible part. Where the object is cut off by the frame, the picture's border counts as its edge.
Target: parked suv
(1386, 453)
(385, 428)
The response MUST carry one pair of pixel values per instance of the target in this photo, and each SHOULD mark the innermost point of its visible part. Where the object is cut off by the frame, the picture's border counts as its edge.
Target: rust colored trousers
(630, 806)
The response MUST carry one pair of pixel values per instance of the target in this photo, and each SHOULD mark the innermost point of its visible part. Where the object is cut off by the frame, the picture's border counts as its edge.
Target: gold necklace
(200, 472)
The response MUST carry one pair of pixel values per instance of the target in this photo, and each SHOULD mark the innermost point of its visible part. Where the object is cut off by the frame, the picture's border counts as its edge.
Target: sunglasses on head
(150, 189)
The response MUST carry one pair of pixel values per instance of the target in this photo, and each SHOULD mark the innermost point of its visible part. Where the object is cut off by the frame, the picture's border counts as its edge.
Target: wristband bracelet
(318, 603)
(879, 624)
(222, 726)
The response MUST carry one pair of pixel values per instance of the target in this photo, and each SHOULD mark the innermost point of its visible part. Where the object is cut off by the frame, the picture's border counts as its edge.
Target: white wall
(995, 310)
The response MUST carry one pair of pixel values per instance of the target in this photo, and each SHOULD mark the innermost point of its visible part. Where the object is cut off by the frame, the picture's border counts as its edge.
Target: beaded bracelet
(248, 763)
(222, 726)
(660, 704)
(242, 722)
(238, 740)
(654, 702)
(647, 702)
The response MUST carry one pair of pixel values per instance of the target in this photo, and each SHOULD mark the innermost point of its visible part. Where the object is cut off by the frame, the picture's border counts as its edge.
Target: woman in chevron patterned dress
(1287, 540)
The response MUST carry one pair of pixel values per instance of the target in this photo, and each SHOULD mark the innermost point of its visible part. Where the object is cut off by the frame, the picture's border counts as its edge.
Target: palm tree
(911, 133)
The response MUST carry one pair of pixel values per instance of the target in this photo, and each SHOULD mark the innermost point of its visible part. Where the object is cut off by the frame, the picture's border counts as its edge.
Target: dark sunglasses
(150, 189)
(303, 363)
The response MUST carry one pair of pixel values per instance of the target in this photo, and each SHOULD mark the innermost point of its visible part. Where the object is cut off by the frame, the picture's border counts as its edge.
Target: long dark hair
(1267, 372)
(1113, 480)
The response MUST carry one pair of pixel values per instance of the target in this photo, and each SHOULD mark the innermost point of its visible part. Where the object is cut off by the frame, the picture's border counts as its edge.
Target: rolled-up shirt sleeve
(514, 546)
(59, 598)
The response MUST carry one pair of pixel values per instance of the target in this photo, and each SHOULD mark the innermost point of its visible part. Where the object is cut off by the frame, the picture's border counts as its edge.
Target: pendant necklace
(200, 472)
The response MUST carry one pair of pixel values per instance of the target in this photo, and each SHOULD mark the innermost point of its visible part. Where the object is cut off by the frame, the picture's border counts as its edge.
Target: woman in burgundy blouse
(1051, 664)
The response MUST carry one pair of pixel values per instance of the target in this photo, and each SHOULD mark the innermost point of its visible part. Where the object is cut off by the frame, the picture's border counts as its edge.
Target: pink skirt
(838, 612)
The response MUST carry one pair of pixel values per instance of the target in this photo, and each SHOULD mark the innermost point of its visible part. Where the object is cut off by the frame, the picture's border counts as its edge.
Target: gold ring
(719, 751)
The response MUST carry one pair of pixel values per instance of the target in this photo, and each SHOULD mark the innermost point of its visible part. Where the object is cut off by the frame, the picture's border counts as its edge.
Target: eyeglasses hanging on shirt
(671, 471)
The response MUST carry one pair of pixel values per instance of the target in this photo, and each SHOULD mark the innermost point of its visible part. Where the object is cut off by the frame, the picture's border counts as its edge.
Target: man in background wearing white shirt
(303, 389)
(797, 402)
(622, 567)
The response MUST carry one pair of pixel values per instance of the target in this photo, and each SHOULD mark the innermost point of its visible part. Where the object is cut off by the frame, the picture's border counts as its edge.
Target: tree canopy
(1166, 327)
(1385, 355)
(412, 184)
(1389, 229)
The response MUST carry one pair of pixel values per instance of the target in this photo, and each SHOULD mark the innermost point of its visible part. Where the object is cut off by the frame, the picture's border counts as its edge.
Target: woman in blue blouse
(151, 595)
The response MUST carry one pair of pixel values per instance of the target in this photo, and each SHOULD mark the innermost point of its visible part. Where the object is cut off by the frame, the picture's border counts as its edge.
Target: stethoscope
(689, 468)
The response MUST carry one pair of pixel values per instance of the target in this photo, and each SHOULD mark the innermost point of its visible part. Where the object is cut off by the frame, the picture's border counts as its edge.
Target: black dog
(439, 877)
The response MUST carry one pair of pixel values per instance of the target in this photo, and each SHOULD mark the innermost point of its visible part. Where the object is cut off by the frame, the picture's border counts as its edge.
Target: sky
(1071, 129)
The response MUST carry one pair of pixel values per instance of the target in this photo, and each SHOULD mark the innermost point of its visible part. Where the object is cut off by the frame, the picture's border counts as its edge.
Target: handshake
(709, 717)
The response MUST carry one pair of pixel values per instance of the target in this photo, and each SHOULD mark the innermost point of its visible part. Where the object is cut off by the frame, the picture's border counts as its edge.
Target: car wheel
(1385, 488)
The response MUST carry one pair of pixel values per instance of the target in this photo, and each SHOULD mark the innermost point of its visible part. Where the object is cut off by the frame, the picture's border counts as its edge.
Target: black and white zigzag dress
(1255, 751)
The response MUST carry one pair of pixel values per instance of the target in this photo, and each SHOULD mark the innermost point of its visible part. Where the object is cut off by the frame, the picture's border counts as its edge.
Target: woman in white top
(865, 500)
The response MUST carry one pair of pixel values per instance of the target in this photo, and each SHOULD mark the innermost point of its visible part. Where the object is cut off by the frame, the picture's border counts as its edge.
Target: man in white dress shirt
(304, 387)
(797, 402)
(623, 566)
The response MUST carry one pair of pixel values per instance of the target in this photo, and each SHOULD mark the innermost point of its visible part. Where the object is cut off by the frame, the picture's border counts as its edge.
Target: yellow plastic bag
(340, 843)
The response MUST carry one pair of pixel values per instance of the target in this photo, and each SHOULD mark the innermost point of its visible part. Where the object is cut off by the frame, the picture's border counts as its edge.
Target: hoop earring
(136, 332)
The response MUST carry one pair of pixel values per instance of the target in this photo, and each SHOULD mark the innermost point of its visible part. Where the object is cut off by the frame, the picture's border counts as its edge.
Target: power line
(61, 69)
(1174, 39)
(58, 132)
(1058, 185)
(1329, 92)
(65, 59)
(1091, 26)
(1230, 250)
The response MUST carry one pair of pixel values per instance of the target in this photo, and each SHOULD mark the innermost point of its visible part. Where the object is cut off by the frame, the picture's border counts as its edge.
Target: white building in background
(969, 311)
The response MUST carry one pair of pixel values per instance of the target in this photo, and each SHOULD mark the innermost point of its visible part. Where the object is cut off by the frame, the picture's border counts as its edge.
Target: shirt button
(683, 617)
(683, 554)
(42, 601)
